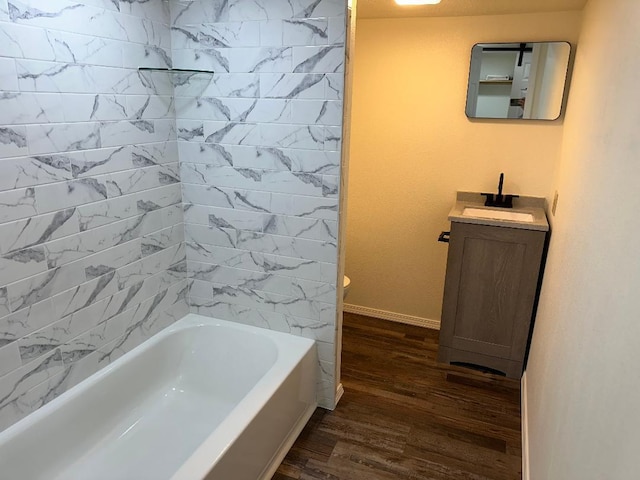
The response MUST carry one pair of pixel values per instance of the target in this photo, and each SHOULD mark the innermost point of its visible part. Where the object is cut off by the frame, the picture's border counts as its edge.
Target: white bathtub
(204, 398)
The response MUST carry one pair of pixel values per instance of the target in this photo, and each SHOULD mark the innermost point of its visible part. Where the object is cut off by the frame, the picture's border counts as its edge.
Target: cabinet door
(490, 288)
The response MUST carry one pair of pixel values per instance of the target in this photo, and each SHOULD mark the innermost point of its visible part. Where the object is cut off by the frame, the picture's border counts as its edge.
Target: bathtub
(203, 399)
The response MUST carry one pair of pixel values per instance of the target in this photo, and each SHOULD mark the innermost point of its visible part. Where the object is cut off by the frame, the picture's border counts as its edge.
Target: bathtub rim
(200, 463)
(221, 438)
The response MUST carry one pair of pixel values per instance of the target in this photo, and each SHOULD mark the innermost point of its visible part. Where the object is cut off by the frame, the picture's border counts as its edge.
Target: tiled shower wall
(92, 252)
(92, 258)
(259, 145)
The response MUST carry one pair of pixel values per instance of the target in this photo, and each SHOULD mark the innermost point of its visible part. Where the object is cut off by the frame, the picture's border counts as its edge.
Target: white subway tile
(224, 217)
(262, 59)
(156, 11)
(167, 237)
(35, 289)
(337, 30)
(268, 110)
(84, 49)
(200, 12)
(111, 259)
(207, 59)
(37, 76)
(218, 85)
(292, 136)
(4, 10)
(21, 323)
(37, 230)
(302, 31)
(83, 295)
(63, 137)
(210, 153)
(333, 138)
(316, 112)
(271, 33)
(8, 74)
(227, 35)
(334, 86)
(231, 133)
(19, 41)
(158, 198)
(9, 358)
(150, 56)
(147, 32)
(22, 108)
(287, 246)
(57, 334)
(89, 242)
(292, 85)
(190, 131)
(329, 59)
(4, 302)
(208, 235)
(320, 8)
(279, 182)
(97, 214)
(20, 381)
(155, 153)
(93, 107)
(13, 141)
(58, 196)
(81, 352)
(67, 16)
(310, 228)
(90, 163)
(128, 132)
(21, 264)
(212, 108)
(108, 4)
(17, 204)
(133, 181)
(150, 106)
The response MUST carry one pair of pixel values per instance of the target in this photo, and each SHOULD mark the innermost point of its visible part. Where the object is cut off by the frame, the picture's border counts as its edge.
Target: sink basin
(497, 214)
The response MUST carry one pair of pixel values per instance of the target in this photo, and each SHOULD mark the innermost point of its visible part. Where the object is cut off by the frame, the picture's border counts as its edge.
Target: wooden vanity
(493, 269)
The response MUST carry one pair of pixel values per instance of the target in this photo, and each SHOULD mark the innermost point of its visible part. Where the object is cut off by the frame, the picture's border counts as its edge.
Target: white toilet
(347, 285)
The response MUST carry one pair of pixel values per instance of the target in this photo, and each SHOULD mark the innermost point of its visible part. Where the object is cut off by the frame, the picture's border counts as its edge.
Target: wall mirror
(517, 80)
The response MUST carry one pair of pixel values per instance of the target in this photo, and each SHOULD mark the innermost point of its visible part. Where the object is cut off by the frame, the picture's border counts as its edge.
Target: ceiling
(458, 8)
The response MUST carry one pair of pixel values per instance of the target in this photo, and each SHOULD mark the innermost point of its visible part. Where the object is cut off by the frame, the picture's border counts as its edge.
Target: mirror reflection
(517, 80)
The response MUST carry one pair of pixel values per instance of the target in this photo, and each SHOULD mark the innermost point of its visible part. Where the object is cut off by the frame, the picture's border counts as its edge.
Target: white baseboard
(394, 317)
(525, 427)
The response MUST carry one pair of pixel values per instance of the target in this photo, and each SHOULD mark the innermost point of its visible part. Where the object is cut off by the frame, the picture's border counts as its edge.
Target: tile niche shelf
(173, 70)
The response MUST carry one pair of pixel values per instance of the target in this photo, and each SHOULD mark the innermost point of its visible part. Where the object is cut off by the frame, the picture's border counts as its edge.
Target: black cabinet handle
(444, 237)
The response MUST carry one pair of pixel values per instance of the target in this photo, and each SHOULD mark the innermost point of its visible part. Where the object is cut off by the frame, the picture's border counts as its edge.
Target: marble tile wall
(259, 145)
(92, 253)
(93, 258)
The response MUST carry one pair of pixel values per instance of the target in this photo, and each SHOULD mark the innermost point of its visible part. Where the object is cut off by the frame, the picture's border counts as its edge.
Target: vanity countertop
(522, 205)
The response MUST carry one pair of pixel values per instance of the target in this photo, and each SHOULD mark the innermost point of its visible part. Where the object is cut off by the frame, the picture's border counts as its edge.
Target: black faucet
(502, 201)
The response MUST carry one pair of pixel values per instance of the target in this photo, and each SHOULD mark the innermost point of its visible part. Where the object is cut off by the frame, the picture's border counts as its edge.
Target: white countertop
(531, 205)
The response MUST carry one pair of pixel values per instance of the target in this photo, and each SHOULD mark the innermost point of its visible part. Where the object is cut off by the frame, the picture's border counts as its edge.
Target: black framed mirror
(519, 81)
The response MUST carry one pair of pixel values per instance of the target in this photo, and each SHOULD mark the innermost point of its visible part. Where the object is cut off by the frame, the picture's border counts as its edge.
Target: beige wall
(583, 391)
(412, 147)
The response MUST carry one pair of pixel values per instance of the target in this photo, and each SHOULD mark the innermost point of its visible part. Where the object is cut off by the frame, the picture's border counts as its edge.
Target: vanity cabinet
(490, 291)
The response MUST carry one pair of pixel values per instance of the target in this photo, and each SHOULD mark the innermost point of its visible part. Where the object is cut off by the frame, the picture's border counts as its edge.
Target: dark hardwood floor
(403, 416)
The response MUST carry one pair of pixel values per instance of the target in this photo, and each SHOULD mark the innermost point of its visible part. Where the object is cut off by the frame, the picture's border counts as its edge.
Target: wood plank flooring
(403, 416)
